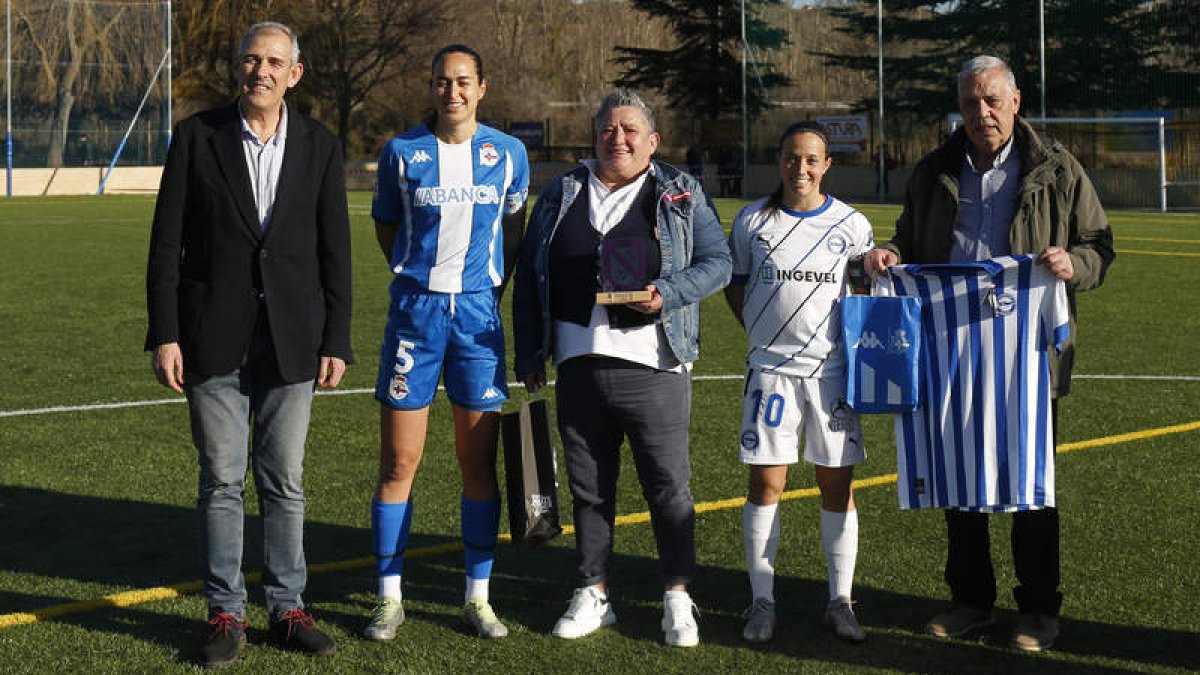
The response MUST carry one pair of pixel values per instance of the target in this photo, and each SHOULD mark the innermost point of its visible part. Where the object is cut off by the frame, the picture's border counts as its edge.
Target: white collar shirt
(264, 160)
(645, 345)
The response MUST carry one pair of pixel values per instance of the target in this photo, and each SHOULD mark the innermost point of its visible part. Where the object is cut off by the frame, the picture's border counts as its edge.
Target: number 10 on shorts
(770, 410)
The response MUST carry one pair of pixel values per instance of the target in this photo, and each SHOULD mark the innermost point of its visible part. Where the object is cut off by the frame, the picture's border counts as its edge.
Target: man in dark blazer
(248, 287)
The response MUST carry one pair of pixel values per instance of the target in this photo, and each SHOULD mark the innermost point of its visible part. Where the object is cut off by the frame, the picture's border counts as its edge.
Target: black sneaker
(223, 637)
(296, 629)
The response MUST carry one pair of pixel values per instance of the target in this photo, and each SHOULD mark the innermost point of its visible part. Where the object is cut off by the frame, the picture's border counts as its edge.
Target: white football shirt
(982, 438)
(793, 265)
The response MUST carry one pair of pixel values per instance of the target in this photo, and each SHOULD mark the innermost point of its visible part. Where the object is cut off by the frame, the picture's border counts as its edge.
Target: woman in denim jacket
(623, 369)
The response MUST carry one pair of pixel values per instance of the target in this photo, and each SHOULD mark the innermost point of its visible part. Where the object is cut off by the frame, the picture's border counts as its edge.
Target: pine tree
(1100, 54)
(702, 74)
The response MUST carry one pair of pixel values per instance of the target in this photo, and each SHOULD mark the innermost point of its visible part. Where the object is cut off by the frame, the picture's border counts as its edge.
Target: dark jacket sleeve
(333, 242)
(1091, 238)
(529, 325)
(166, 237)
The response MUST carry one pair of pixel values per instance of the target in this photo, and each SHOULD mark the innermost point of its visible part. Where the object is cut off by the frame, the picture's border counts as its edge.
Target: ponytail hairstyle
(456, 48)
(775, 201)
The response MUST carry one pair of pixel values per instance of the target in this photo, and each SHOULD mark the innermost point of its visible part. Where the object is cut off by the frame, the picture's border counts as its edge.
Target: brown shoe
(1035, 632)
(958, 620)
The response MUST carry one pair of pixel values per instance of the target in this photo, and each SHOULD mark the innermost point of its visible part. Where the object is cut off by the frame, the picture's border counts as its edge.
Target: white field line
(88, 407)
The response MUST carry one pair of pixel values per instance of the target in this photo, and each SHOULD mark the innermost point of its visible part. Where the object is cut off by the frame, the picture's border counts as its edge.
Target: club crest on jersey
(488, 156)
(750, 440)
(899, 342)
(398, 389)
(1002, 303)
(836, 243)
(420, 157)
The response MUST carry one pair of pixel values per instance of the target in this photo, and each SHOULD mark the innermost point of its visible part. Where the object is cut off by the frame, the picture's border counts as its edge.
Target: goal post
(87, 85)
(1159, 122)
(1159, 134)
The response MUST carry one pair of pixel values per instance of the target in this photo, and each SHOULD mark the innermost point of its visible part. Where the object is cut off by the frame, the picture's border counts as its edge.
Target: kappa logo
(488, 156)
(490, 394)
(420, 157)
(869, 340)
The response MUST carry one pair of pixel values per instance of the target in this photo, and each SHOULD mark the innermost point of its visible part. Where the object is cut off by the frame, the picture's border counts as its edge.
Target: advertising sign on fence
(847, 133)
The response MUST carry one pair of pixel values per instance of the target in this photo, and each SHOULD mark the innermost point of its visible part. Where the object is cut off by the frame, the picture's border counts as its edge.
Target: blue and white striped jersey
(449, 201)
(793, 265)
(982, 439)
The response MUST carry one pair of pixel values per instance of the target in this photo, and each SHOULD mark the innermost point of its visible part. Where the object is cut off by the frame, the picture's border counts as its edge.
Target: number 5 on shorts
(404, 360)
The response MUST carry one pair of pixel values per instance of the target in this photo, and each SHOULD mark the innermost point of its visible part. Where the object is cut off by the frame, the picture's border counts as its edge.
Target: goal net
(81, 82)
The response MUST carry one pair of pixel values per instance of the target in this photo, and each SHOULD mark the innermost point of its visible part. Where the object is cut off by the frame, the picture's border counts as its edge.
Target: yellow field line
(1127, 251)
(138, 597)
(1165, 241)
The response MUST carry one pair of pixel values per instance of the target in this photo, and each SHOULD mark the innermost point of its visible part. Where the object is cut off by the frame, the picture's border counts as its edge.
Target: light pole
(745, 107)
(882, 149)
(8, 92)
(1042, 53)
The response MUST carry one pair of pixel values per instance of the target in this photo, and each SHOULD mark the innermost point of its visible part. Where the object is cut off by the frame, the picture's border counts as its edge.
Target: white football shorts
(777, 409)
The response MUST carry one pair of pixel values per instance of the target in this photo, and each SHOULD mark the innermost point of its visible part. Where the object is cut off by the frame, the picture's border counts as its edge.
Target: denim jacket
(695, 264)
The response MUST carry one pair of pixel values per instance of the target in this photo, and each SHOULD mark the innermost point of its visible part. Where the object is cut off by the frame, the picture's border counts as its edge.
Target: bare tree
(355, 46)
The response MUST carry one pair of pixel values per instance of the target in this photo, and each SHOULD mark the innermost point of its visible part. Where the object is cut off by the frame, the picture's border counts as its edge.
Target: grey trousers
(601, 401)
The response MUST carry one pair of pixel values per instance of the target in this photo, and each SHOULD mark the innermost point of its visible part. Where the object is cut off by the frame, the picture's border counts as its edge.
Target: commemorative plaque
(622, 272)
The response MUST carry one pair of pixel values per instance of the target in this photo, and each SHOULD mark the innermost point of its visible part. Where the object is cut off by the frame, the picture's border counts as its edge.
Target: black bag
(531, 474)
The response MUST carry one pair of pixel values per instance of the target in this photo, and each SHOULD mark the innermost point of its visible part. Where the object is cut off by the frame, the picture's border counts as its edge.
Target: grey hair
(986, 62)
(270, 26)
(622, 98)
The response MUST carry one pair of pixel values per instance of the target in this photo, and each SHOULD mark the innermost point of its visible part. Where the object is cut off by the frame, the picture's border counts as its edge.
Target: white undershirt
(646, 344)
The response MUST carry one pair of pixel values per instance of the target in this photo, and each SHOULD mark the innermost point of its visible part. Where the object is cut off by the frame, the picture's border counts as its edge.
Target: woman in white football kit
(790, 254)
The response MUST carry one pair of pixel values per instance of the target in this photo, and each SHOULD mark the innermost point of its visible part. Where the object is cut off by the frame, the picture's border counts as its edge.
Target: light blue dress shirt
(986, 202)
(264, 161)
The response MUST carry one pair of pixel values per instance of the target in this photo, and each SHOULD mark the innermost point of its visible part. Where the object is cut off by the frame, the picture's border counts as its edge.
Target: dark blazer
(212, 269)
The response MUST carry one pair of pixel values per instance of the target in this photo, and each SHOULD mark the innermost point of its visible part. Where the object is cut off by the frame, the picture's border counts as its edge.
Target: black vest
(575, 263)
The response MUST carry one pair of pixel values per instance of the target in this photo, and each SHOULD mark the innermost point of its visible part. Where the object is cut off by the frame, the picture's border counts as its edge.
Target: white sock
(839, 536)
(477, 589)
(389, 587)
(760, 533)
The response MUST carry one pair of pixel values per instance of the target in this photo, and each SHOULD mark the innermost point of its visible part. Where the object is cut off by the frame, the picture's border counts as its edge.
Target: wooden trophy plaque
(622, 272)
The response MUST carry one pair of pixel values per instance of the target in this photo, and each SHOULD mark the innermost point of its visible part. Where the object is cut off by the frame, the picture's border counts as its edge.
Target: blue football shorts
(430, 333)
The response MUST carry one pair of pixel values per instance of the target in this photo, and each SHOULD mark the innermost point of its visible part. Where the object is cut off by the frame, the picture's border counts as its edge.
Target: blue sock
(480, 525)
(389, 535)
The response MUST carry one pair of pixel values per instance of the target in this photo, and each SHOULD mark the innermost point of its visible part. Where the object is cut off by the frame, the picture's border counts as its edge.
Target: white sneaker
(679, 619)
(588, 611)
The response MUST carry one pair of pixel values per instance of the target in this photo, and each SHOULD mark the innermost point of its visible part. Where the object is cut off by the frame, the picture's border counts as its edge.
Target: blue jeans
(223, 411)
